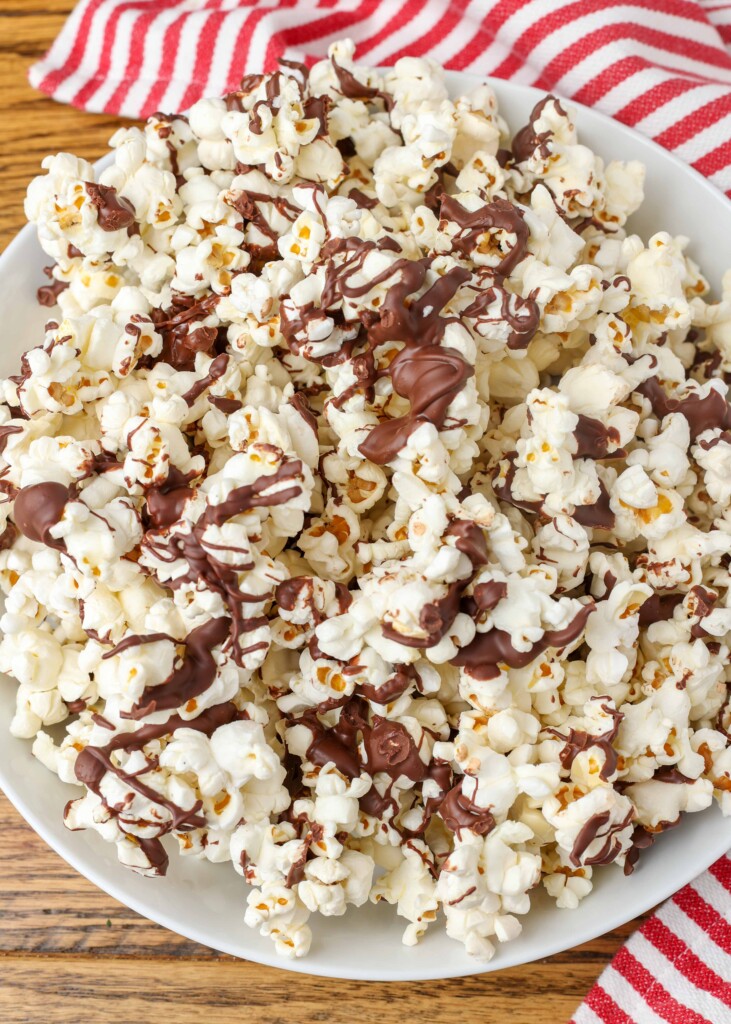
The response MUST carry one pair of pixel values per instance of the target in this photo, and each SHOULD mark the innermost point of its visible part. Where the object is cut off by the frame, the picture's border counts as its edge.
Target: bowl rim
(561, 939)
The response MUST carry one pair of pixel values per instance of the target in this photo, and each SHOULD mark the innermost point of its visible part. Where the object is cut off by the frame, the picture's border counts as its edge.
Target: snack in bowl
(367, 519)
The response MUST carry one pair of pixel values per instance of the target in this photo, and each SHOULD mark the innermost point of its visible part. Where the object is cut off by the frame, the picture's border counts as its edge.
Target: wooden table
(69, 952)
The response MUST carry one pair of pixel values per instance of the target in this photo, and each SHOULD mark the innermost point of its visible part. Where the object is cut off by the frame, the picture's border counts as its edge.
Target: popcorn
(365, 504)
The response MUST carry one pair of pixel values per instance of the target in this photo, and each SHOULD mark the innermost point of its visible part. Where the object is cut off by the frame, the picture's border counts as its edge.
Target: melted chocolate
(5, 433)
(352, 89)
(93, 763)
(709, 413)
(180, 344)
(593, 439)
(458, 812)
(498, 216)
(658, 608)
(470, 540)
(611, 847)
(38, 508)
(113, 211)
(521, 315)
(527, 140)
(48, 294)
(435, 619)
(490, 649)
(215, 371)
(429, 377)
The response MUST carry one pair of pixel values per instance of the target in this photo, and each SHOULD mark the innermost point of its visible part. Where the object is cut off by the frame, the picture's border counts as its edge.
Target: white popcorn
(364, 512)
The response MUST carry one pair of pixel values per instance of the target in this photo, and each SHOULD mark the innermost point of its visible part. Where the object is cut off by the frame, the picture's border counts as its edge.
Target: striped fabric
(661, 66)
(677, 968)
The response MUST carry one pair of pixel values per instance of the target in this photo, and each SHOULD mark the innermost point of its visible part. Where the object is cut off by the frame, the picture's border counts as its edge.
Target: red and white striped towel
(661, 66)
(677, 968)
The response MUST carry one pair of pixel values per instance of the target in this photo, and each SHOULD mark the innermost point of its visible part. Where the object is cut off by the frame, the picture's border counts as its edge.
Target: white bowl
(205, 902)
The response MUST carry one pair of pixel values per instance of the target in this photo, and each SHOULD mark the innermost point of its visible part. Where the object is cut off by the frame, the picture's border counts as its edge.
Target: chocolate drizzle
(593, 439)
(499, 216)
(93, 763)
(48, 294)
(220, 576)
(488, 650)
(40, 507)
(710, 413)
(595, 829)
(459, 812)
(527, 140)
(180, 343)
(521, 315)
(192, 677)
(430, 377)
(113, 212)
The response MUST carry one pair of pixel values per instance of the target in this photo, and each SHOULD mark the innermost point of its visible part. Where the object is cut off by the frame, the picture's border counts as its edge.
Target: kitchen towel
(660, 66)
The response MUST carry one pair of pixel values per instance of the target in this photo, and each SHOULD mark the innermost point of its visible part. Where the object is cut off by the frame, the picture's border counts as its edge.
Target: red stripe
(496, 18)
(169, 54)
(705, 916)
(709, 164)
(650, 989)
(135, 58)
(240, 49)
(205, 48)
(626, 30)
(452, 15)
(244, 40)
(406, 13)
(566, 14)
(54, 78)
(87, 90)
(329, 24)
(606, 80)
(605, 1007)
(696, 121)
(721, 871)
(685, 961)
(654, 98)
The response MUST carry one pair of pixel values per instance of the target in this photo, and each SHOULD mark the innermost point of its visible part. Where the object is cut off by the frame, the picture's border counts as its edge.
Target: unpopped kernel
(366, 519)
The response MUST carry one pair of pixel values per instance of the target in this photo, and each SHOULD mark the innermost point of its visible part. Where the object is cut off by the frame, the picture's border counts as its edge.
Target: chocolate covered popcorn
(365, 521)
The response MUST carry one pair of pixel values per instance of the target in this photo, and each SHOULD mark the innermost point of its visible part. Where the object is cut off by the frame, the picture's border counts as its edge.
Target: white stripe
(418, 26)
(676, 984)
(654, 56)
(676, 109)
(184, 60)
(61, 48)
(626, 998)
(670, 24)
(119, 57)
(714, 894)
(150, 66)
(557, 42)
(722, 179)
(462, 33)
(696, 938)
(705, 141)
(221, 59)
(89, 62)
(260, 38)
(491, 57)
(585, 1015)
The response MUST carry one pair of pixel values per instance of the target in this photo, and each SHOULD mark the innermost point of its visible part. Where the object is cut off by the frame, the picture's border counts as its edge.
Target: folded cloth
(661, 66)
(677, 967)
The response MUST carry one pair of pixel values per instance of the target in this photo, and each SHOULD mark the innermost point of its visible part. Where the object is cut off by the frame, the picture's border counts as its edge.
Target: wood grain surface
(68, 952)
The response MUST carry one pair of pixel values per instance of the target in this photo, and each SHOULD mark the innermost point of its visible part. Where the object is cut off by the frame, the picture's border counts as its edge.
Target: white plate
(206, 902)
